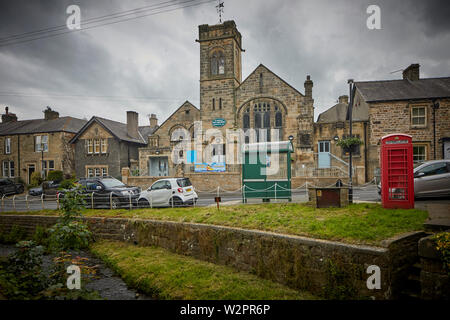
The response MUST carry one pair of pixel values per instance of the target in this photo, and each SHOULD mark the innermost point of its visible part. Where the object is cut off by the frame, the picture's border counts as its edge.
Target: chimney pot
(153, 120)
(50, 114)
(343, 99)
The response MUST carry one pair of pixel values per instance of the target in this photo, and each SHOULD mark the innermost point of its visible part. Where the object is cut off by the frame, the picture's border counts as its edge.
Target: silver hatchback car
(431, 179)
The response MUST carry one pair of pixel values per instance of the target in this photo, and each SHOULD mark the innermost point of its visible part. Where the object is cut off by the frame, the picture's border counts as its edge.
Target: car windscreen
(185, 182)
(112, 183)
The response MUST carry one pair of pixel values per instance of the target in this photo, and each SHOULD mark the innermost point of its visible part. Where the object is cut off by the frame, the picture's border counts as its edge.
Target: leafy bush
(442, 241)
(16, 234)
(69, 235)
(67, 184)
(70, 232)
(22, 276)
(41, 236)
(55, 175)
(36, 179)
(349, 142)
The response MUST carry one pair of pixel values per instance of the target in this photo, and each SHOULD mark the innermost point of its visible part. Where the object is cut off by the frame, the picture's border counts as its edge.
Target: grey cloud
(156, 56)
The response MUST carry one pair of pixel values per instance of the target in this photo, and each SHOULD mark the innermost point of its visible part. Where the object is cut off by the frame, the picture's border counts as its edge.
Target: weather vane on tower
(219, 8)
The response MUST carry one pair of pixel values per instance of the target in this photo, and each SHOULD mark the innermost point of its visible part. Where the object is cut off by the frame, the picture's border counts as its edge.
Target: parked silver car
(431, 179)
(174, 192)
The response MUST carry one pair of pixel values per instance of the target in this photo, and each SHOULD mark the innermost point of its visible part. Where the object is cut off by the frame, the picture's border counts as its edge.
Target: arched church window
(218, 62)
(221, 63)
(257, 120)
(246, 121)
(214, 63)
(278, 119)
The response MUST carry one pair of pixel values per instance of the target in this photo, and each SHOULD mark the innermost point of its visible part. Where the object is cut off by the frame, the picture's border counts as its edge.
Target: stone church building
(275, 110)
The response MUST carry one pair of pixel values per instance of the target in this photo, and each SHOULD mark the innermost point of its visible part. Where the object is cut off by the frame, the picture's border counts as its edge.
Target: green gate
(266, 172)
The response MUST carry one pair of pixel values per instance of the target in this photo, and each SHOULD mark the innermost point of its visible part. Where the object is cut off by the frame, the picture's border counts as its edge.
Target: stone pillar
(125, 174)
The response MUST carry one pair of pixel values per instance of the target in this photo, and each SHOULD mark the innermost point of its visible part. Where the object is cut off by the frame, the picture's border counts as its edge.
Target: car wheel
(143, 203)
(115, 203)
(176, 202)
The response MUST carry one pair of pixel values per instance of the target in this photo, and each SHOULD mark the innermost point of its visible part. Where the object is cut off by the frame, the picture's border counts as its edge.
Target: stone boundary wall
(434, 280)
(326, 268)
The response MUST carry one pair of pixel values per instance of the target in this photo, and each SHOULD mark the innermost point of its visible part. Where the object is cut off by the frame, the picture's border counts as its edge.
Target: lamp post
(42, 161)
(350, 167)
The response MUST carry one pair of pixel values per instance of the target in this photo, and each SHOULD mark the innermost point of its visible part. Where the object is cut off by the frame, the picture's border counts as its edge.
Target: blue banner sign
(210, 167)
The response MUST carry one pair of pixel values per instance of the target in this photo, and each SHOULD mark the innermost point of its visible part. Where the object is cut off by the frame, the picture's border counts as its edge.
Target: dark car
(37, 191)
(107, 192)
(7, 187)
(50, 188)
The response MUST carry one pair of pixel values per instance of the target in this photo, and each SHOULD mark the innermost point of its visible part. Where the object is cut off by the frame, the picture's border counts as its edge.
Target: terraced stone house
(37, 145)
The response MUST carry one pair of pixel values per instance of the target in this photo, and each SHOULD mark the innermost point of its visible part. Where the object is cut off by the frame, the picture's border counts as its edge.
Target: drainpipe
(435, 107)
(366, 176)
(18, 154)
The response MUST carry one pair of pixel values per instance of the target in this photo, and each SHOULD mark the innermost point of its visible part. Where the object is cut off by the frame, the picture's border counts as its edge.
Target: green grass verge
(358, 223)
(165, 275)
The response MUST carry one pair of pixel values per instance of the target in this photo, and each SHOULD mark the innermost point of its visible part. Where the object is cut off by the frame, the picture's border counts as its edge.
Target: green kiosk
(266, 171)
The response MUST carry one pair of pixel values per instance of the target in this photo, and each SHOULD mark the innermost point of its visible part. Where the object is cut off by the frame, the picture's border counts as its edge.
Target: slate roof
(390, 90)
(66, 124)
(338, 113)
(118, 129)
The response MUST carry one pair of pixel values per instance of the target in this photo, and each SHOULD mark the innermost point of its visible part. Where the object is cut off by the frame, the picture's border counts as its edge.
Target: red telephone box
(397, 177)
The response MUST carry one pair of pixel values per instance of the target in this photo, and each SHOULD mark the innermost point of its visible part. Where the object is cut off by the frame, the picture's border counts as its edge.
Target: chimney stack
(8, 117)
(412, 73)
(50, 114)
(308, 86)
(132, 124)
(343, 99)
(153, 120)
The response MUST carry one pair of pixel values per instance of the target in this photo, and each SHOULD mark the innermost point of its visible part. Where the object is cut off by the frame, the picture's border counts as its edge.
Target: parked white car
(169, 192)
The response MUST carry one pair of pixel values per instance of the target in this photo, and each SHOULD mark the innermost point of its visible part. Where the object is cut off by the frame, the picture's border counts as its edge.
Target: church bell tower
(220, 74)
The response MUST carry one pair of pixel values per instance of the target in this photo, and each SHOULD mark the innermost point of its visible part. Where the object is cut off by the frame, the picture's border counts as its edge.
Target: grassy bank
(358, 223)
(165, 275)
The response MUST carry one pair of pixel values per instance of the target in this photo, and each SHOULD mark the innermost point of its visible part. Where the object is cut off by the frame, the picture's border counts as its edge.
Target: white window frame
(7, 171)
(103, 145)
(104, 171)
(90, 172)
(424, 154)
(7, 145)
(89, 146)
(96, 144)
(424, 116)
(38, 141)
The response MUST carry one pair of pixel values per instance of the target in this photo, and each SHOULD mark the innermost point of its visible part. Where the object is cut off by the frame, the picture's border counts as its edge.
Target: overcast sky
(151, 64)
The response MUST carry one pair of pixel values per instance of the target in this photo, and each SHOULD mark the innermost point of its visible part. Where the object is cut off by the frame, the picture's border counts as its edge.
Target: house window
(104, 172)
(8, 169)
(7, 145)
(214, 104)
(89, 146)
(47, 166)
(90, 172)
(103, 146)
(41, 143)
(419, 153)
(97, 172)
(418, 116)
(96, 146)
(220, 103)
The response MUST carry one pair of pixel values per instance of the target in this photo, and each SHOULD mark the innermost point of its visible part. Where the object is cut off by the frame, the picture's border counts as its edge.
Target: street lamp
(42, 161)
(350, 167)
